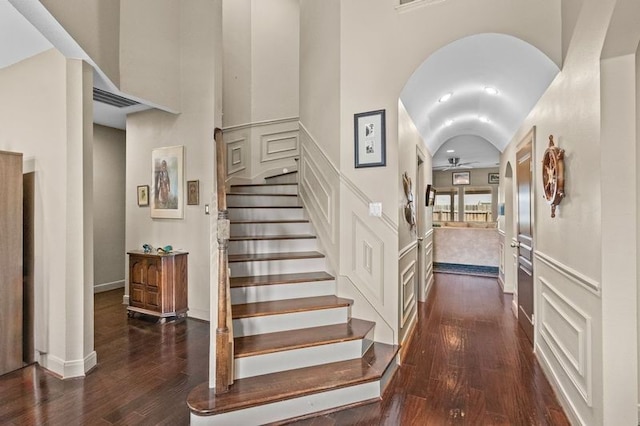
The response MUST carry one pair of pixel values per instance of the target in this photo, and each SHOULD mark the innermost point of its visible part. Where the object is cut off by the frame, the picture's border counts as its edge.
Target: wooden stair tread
(264, 207)
(258, 194)
(282, 174)
(273, 237)
(288, 306)
(261, 344)
(251, 221)
(258, 280)
(261, 184)
(274, 387)
(255, 257)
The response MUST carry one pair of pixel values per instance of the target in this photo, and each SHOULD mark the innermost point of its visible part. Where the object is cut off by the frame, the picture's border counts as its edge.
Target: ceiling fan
(454, 163)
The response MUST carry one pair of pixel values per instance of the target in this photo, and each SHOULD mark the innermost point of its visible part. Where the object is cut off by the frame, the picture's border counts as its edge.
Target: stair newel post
(224, 332)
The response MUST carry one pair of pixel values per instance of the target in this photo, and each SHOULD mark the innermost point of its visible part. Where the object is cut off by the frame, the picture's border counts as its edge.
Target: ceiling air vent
(111, 99)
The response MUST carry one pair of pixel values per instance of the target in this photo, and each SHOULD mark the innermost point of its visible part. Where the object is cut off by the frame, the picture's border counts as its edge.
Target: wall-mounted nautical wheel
(553, 175)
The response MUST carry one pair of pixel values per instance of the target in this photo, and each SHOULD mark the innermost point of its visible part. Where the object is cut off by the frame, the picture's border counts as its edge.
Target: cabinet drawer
(136, 296)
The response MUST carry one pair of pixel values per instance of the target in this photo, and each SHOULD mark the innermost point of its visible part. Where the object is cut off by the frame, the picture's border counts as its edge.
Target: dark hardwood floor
(468, 363)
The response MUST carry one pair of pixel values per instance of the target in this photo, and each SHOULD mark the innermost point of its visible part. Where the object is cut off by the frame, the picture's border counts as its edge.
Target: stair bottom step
(294, 393)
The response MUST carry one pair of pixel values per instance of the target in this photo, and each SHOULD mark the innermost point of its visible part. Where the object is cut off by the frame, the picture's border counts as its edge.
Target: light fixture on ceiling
(445, 97)
(448, 122)
(491, 90)
(484, 119)
(451, 151)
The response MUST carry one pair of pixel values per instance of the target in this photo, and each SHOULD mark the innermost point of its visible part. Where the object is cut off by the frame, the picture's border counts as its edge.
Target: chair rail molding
(574, 276)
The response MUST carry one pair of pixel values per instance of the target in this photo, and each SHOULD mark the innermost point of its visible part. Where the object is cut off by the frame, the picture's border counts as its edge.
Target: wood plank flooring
(468, 364)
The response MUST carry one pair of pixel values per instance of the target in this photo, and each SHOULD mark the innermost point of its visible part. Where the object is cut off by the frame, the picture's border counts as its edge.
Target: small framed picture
(430, 199)
(461, 178)
(143, 195)
(494, 178)
(193, 192)
(370, 144)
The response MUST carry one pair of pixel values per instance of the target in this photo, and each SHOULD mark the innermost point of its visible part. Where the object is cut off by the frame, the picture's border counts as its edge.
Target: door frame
(528, 138)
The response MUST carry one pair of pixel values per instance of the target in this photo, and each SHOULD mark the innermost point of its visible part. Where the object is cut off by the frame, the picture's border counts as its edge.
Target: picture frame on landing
(494, 178)
(461, 178)
(193, 192)
(370, 148)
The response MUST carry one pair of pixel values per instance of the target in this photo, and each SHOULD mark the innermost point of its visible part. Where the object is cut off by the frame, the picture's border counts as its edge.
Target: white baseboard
(514, 308)
(68, 369)
(125, 299)
(200, 314)
(100, 288)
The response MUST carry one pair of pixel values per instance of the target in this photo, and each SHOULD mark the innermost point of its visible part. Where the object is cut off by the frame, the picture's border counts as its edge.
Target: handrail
(224, 331)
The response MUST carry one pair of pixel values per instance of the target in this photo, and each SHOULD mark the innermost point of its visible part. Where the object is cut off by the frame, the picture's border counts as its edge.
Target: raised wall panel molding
(570, 273)
(318, 148)
(407, 249)
(366, 201)
(567, 331)
(320, 194)
(372, 280)
(279, 145)
(429, 233)
(260, 124)
(235, 155)
(407, 277)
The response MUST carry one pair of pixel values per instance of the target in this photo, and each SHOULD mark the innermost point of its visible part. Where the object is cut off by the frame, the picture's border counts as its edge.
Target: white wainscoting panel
(567, 335)
(407, 289)
(368, 259)
(276, 146)
(236, 155)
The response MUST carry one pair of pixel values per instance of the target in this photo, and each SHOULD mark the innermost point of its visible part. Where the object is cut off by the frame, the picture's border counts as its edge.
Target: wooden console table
(158, 284)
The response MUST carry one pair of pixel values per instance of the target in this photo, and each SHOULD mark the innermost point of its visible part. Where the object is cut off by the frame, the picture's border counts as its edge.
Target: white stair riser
(266, 214)
(266, 189)
(297, 358)
(267, 293)
(275, 267)
(292, 408)
(262, 200)
(293, 321)
(273, 246)
(261, 229)
(288, 178)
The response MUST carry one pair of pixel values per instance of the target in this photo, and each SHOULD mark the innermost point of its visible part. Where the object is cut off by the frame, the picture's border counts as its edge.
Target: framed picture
(143, 195)
(494, 178)
(193, 192)
(168, 182)
(431, 196)
(370, 143)
(461, 178)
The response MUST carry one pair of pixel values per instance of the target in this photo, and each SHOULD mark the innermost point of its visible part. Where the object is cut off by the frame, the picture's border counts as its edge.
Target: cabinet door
(137, 279)
(153, 285)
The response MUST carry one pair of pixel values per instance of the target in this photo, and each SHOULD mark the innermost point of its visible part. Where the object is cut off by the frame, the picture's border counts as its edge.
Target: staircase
(298, 352)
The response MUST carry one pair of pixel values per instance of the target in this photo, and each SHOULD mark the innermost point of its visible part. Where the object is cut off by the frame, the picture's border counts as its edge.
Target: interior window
(442, 211)
(477, 205)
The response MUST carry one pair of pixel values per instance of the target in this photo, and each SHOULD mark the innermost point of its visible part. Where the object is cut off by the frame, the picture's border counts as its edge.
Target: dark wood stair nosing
(264, 207)
(282, 341)
(262, 184)
(202, 400)
(260, 194)
(265, 257)
(275, 279)
(272, 237)
(288, 306)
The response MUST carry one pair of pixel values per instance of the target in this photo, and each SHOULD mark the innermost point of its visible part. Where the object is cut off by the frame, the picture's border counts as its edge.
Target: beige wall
(149, 45)
(320, 74)
(96, 30)
(45, 113)
(109, 166)
(199, 61)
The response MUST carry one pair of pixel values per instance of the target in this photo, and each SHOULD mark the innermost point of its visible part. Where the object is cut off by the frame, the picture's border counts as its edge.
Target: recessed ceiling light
(484, 119)
(451, 151)
(491, 90)
(445, 97)
(448, 123)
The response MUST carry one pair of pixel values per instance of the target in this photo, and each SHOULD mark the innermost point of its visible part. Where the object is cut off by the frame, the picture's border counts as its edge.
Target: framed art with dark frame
(370, 143)
(143, 195)
(494, 178)
(430, 198)
(461, 178)
(193, 192)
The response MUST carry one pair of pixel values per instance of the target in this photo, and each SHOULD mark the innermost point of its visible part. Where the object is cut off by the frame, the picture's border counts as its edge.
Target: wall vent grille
(111, 99)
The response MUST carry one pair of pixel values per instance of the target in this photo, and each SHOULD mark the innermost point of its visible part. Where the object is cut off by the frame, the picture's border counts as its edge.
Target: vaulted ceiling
(481, 87)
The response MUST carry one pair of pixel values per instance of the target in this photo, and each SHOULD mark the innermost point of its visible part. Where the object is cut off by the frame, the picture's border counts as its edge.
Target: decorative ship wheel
(553, 175)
